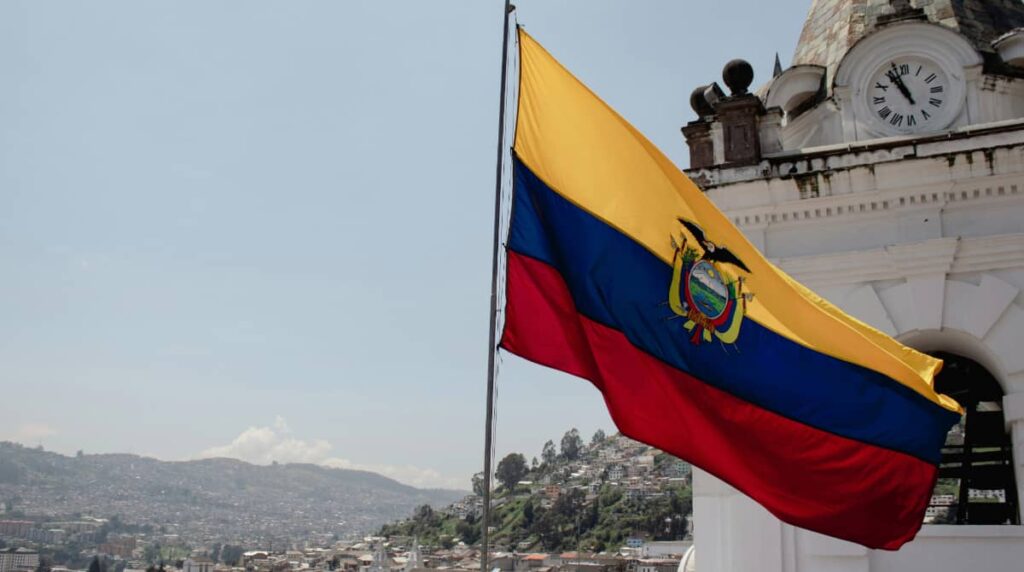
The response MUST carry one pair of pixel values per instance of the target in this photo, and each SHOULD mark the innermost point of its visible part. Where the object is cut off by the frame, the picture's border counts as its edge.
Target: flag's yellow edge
(584, 151)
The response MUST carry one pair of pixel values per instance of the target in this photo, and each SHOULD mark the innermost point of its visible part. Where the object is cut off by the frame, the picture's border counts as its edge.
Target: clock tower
(884, 169)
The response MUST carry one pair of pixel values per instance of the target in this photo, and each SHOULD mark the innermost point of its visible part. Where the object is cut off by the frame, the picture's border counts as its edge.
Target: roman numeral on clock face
(917, 98)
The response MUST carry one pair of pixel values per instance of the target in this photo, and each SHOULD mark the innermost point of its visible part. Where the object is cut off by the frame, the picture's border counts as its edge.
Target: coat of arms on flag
(710, 298)
(830, 424)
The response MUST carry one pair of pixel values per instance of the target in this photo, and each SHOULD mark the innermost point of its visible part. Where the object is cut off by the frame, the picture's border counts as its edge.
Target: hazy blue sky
(262, 229)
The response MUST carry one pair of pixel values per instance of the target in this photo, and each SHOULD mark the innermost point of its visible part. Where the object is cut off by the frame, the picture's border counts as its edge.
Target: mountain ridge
(234, 499)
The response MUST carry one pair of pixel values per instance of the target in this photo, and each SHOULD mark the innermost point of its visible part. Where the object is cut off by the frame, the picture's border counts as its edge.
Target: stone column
(702, 146)
(742, 139)
(731, 532)
(1013, 411)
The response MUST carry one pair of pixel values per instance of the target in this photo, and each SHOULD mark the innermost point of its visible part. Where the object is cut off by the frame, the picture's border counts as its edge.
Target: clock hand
(894, 76)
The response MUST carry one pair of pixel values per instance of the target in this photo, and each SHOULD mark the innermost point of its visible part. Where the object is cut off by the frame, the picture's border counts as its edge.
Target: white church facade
(884, 169)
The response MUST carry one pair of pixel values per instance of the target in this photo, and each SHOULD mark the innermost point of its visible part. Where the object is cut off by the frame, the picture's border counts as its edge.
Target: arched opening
(976, 483)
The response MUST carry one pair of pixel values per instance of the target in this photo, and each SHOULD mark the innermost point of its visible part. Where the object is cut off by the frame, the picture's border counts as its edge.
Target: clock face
(909, 95)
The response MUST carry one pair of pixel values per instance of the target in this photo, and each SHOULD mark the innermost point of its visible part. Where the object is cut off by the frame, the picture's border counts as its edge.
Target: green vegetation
(523, 518)
(572, 445)
(520, 522)
(155, 553)
(433, 528)
(511, 470)
(947, 487)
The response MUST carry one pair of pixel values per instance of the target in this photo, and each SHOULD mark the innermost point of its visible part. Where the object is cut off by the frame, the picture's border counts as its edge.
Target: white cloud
(408, 474)
(281, 425)
(264, 445)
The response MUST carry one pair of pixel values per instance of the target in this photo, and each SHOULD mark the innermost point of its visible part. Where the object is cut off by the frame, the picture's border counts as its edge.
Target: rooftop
(834, 26)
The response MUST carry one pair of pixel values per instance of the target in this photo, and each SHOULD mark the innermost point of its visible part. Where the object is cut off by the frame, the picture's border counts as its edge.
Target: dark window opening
(976, 483)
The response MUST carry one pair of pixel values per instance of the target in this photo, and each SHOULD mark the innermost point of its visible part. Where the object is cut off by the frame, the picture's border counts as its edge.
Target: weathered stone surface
(834, 26)
(701, 144)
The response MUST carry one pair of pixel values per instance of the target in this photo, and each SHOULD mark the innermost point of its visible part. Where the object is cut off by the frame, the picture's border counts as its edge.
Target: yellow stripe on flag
(586, 152)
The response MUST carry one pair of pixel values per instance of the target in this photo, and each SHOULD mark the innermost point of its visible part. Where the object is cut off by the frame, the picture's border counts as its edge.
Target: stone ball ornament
(738, 75)
(699, 102)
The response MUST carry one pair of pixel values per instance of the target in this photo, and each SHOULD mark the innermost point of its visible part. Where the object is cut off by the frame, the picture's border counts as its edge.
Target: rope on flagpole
(492, 334)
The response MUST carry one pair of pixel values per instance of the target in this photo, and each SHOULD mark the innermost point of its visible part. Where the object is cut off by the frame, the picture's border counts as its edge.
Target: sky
(262, 229)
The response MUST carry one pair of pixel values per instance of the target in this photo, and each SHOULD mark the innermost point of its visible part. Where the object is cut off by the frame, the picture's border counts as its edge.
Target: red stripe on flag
(805, 476)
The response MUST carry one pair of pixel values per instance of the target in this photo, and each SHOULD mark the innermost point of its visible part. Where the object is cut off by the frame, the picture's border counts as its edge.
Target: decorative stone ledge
(865, 153)
(864, 204)
(938, 256)
(981, 531)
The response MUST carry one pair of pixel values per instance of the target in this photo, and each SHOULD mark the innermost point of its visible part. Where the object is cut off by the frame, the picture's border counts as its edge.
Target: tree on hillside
(511, 470)
(572, 444)
(424, 513)
(478, 484)
(569, 504)
(598, 437)
(528, 512)
(468, 531)
(534, 464)
(549, 454)
(231, 554)
(95, 565)
(151, 553)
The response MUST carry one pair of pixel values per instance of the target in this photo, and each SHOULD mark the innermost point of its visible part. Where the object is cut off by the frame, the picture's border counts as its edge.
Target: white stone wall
(925, 243)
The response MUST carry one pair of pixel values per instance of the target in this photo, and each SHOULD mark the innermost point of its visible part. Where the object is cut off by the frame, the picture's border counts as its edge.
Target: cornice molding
(874, 204)
(948, 255)
(986, 138)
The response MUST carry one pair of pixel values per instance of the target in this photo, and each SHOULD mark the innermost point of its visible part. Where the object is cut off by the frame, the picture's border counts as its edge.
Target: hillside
(223, 499)
(598, 495)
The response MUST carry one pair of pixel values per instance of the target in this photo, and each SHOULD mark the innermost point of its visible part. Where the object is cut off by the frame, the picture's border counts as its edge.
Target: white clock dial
(909, 95)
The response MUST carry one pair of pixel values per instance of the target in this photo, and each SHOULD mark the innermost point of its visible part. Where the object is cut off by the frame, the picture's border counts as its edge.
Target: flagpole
(491, 342)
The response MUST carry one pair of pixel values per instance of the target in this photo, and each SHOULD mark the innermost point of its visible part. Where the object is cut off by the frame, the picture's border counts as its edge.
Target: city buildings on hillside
(18, 560)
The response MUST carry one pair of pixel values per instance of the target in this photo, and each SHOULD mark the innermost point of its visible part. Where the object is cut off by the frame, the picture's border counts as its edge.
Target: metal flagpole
(491, 349)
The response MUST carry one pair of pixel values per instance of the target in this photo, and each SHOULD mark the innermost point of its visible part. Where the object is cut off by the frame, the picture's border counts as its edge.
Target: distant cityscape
(112, 513)
(609, 504)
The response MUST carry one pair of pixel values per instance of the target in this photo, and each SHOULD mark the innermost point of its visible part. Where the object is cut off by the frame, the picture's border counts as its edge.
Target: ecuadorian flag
(621, 272)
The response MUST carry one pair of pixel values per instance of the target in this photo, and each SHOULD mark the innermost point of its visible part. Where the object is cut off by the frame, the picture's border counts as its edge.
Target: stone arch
(977, 319)
(955, 342)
